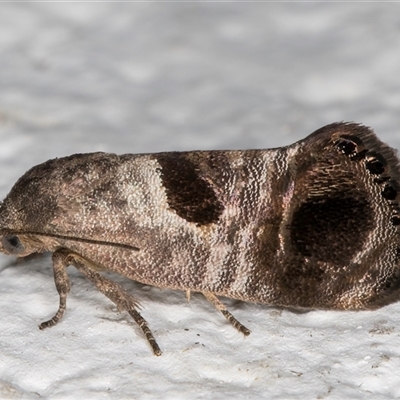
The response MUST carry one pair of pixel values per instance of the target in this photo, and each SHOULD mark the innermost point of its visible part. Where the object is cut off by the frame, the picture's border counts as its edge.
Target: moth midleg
(63, 287)
(112, 290)
(213, 299)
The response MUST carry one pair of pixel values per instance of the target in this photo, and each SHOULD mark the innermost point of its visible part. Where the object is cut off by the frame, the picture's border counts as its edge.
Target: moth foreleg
(220, 307)
(62, 284)
(113, 291)
(144, 326)
(117, 295)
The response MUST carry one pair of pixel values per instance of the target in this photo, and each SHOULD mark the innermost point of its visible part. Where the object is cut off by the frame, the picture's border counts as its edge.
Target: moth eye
(12, 244)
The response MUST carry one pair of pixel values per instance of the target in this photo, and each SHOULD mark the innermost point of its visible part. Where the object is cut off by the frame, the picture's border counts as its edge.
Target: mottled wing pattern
(315, 224)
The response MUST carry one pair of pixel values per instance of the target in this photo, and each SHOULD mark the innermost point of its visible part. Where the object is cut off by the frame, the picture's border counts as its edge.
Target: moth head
(12, 244)
(28, 210)
(21, 245)
(47, 203)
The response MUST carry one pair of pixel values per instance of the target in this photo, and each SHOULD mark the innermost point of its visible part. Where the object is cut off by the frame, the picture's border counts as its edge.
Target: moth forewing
(313, 225)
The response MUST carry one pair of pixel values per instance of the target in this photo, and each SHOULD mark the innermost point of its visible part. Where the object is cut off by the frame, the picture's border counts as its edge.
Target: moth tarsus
(310, 225)
(220, 307)
(144, 326)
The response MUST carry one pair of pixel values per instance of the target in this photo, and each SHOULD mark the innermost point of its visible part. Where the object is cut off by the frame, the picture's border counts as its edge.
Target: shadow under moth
(311, 225)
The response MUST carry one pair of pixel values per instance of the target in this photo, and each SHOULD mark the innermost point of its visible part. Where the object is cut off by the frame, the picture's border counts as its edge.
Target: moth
(312, 225)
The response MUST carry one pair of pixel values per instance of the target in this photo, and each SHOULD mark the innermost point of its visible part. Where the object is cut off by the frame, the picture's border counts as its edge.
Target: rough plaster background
(146, 77)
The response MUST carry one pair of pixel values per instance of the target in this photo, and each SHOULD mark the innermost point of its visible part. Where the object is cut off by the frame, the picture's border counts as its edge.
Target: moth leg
(212, 298)
(112, 290)
(62, 284)
(124, 301)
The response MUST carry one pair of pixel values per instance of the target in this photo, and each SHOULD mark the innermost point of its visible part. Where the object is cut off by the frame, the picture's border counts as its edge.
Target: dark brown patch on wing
(332, 228)
(189, 195)
(346, 190)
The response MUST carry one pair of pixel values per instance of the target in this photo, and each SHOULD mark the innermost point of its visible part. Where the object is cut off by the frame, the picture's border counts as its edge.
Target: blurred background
(147, 77)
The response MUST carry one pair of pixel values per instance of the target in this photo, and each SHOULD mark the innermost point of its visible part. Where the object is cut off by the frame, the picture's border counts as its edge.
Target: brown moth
(314, 224)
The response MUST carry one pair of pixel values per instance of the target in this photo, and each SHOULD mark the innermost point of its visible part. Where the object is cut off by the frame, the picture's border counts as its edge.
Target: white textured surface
(137, 77)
